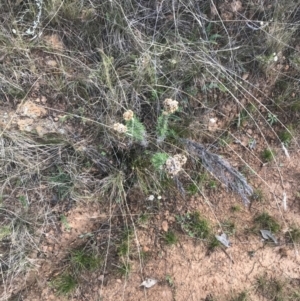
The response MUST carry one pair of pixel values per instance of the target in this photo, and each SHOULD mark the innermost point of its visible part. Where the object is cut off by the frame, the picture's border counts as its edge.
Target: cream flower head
(174, 164)
(170, 106)
(120, 128)
(128, 115)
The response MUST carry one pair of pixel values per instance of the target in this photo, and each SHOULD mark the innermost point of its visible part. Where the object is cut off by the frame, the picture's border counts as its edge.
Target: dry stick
(221, 169)
(108, 245)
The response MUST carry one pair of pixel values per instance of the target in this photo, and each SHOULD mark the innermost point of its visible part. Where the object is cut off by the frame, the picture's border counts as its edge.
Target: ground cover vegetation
(118, 117)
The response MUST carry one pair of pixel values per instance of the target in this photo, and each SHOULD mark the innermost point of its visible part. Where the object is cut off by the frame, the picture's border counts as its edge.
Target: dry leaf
(223, 240)
(149, 282)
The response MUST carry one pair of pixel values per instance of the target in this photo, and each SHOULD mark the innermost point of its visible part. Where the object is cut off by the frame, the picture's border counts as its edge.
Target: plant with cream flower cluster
(170, 106)
(133, 128)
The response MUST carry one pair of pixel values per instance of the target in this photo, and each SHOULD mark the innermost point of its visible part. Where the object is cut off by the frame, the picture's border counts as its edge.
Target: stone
(165, 226)
(31, 110)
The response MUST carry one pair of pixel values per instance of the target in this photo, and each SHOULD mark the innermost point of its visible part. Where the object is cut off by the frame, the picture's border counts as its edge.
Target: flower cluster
(120, 128)
(170, 106)
(128, 115)
(174, 164)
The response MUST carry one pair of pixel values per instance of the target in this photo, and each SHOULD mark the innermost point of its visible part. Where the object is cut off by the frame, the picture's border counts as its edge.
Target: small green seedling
(272, 118)
(235, 208)
(192, 189)
(124, 247)
(286, 137)
(124, 269)
(266, 222)
(194, 225)
(268, 155)
(229, 227)
(213, 243)
(270, 288)
(242, 296)
(257, 195)
(212, 184)
(158, 160)
(143, 219)
(81, 260)
(23, 201)
(64, 284)
(169, 280)
(4, 231)
(170, 238)
(65, 223)
(293, 235)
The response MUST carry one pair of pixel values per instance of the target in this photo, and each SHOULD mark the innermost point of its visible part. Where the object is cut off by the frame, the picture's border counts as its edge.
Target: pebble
(165, 226)
(145, 249)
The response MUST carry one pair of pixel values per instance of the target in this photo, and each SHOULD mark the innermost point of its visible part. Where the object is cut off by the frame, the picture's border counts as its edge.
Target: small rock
(171, 219)
(165, 226)
(31, 110)
(245, 76)
(44, 249)
(51, 63)
(101, 278)
(145, 249)
(25, 124)
(54, 41)
(43, 99)
(119, 281)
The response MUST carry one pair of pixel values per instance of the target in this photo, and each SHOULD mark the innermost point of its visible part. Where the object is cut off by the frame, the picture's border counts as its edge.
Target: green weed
(170, 238)
(192, 189)
(61, 182)
(158, 160)
(242, 296)
(268, 155)
(235, 208)
(124, 269)
(169, 280)
(264, 221)
(143, 219)
(293, 235)
(4, 231)
(64, 284)
(272, 118)
(124, 247)
(286, 137)
(65, 222)
(82, 260)
(229, 227)
(270, 288)
(213, 244)
(194, 225)
(257, 196)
